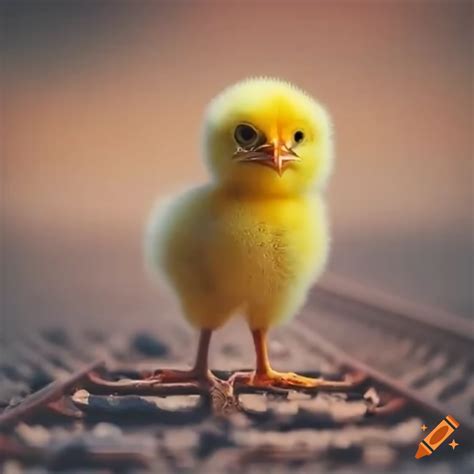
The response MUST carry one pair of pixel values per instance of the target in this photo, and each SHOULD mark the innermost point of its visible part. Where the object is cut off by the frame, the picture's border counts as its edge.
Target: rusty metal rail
(424, 355)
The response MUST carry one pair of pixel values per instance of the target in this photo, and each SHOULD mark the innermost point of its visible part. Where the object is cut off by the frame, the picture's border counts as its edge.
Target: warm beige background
(102, 105)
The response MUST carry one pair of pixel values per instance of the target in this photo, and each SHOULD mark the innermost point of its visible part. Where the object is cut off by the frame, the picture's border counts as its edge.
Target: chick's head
(266, 136)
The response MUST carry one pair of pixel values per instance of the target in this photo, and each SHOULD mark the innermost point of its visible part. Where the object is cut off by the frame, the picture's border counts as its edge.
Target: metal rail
(49, 394)
(426, 359)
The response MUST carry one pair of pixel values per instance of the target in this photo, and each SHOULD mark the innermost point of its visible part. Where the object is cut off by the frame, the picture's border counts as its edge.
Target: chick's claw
(285, 380)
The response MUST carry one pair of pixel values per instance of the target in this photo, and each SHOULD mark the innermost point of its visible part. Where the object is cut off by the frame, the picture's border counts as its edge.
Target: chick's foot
(181, 376)
(160, 382)
(285, 380)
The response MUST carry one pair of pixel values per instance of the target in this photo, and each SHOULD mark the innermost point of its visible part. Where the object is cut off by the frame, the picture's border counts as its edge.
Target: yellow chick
(255, 238)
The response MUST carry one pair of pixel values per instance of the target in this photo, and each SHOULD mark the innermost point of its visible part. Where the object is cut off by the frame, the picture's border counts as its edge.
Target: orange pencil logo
(436, 437)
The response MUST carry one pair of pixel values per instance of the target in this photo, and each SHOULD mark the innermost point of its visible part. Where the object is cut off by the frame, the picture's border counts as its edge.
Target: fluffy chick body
(253, 256)
(249, 242)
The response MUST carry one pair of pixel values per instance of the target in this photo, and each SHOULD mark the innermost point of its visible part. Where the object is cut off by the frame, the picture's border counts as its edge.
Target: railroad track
(411, 371)
(424, 355)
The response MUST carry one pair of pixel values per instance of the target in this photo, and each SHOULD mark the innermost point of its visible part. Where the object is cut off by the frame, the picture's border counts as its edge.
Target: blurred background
(101, 112)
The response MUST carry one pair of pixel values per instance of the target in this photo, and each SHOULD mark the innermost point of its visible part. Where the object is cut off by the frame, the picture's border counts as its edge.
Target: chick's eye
(298, 137)
(245, 135)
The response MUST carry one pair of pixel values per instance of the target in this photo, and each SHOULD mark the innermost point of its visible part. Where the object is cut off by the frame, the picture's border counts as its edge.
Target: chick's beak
(274, 154)
(278, 156)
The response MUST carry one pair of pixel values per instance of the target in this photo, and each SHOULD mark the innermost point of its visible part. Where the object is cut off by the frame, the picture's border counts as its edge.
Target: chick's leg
(149, 383)
(200, 371)
(265, 376)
